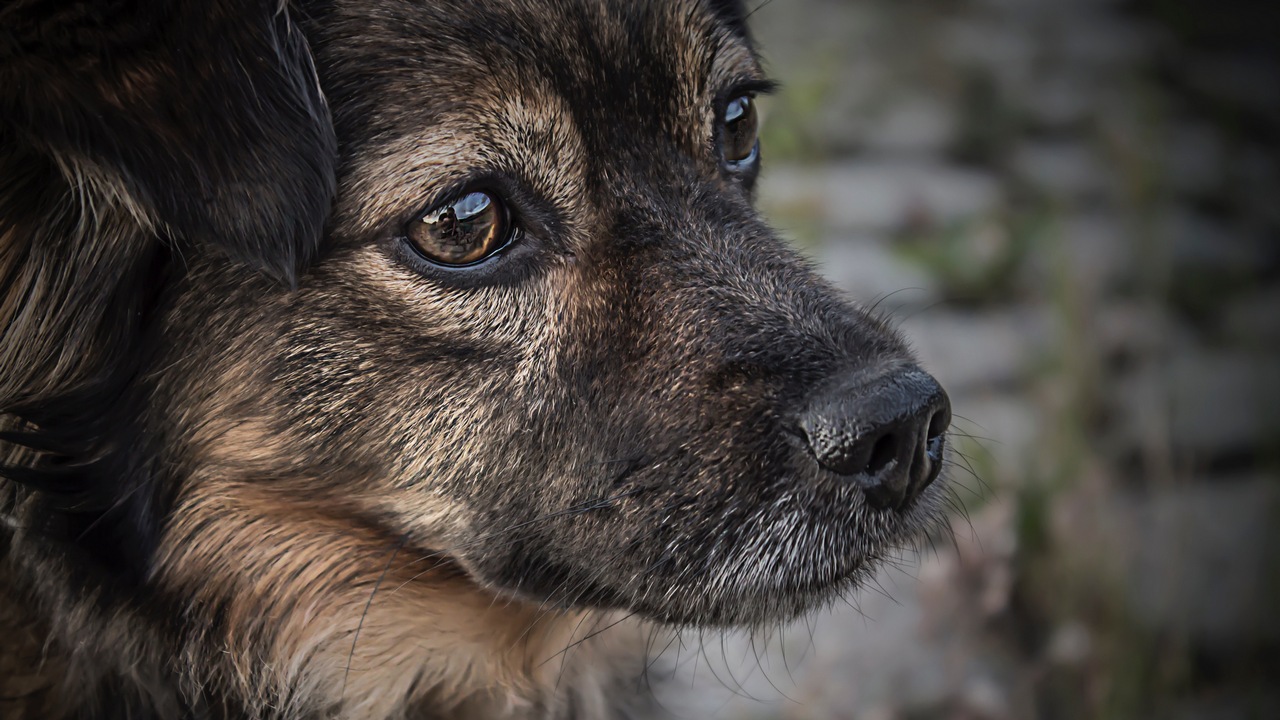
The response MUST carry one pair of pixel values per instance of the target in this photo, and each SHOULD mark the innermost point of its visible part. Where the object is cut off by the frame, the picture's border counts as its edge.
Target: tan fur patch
(326, 613)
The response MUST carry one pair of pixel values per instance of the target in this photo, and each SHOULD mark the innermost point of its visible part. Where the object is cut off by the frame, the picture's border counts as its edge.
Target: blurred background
(1072, 209)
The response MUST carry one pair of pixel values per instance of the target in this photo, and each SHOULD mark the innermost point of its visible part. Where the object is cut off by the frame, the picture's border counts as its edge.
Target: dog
(388, 359)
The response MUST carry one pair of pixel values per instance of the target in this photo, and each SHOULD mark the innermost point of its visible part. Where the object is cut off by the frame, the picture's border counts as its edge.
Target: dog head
(550, 338)
(548, 344)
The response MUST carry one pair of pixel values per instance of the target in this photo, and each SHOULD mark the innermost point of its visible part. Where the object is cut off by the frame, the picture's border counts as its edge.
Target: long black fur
(136, 133)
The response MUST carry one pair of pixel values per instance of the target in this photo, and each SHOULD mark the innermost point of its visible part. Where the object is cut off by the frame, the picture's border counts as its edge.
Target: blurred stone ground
(1072, 209)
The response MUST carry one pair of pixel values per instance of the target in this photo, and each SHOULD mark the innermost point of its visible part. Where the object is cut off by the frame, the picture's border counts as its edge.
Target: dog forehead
(651, 61)
(426, 95)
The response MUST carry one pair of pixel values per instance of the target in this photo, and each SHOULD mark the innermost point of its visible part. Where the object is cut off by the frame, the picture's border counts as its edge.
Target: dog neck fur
(360, 626)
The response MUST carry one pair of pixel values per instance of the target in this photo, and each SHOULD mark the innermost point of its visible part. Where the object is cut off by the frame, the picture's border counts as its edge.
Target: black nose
(885, 430)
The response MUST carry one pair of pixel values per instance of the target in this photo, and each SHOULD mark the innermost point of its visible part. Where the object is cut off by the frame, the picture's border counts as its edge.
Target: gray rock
(1070, 645)
(999, 433)
(982, 697)
(1060, 100)
(1254, 320)
(990, 42)
(1095, 40)
(1075, 7)
(1203, 403)
(972, 351)
(1194, 159)
(884, 195)
(1099, 251)
(1254, 173)
(867, 647)
(1236, 79)
(1236, 701)
(872, 274)
(1197, 560)
(1201, 244)
(1143, 330)
(1223, 401)
(1064, 169)
(919, 125)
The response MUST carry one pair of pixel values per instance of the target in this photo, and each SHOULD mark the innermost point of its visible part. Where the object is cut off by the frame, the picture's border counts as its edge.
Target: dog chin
(792, 565)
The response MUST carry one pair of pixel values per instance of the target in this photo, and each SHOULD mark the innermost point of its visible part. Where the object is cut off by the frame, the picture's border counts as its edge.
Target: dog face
(550, 339)
(549, 355)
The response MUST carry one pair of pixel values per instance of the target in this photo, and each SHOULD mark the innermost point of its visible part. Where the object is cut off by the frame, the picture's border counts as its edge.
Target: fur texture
(242, 484)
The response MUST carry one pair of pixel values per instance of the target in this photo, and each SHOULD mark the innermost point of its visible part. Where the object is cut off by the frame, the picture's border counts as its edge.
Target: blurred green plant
(977, 260)
(789, 134)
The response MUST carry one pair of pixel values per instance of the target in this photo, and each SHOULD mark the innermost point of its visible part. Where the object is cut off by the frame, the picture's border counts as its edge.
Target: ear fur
(131, 129)
(207, 114)
(734, 13)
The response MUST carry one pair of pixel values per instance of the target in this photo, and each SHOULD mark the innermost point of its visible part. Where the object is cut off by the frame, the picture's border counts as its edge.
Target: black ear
(206, 115)
(734, 13)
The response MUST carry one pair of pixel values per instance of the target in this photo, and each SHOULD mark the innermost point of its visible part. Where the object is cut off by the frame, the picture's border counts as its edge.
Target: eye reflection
(462, 232)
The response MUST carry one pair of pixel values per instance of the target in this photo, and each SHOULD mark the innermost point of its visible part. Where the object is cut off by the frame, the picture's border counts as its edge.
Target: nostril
(885, 430)
(938, 424)
(883, 452)
(935, 433)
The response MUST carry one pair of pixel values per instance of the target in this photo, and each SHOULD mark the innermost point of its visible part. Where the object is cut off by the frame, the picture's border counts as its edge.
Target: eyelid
(750, 87)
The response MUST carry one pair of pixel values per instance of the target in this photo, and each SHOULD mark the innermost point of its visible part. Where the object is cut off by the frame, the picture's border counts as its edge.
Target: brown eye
(462, 232)
(739, 138)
